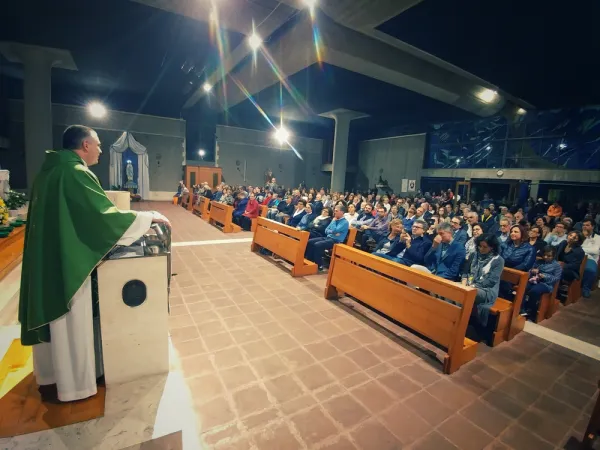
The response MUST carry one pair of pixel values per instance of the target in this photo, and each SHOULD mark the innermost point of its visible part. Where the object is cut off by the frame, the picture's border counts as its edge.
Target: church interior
(367, 225)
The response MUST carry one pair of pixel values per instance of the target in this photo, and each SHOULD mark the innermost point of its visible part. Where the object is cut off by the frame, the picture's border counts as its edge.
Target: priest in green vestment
(71, 226)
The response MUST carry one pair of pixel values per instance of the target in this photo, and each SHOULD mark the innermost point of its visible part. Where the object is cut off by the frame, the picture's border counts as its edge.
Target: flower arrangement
(3, 213)
(15, 200)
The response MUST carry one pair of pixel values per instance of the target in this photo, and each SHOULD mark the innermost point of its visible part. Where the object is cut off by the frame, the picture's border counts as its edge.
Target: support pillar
(342, 118)
(534, 188)
(37, 92)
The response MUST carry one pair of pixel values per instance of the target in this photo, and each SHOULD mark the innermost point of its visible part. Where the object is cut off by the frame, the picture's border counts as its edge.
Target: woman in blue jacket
(518, 254)
(307, 219)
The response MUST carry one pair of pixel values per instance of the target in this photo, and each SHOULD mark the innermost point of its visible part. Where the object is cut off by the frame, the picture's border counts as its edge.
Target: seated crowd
(468, 243)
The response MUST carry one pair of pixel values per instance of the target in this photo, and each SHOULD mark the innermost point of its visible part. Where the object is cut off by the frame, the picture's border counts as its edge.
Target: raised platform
(11, 251)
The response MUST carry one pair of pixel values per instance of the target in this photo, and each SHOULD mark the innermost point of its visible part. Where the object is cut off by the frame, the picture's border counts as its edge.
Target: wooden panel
(431, 283)
(219, 212)
(280, 244)
(427, 315)
(11, 251)
(263, 210)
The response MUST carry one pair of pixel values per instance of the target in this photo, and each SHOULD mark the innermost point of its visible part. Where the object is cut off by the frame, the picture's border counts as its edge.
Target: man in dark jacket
(411, 249)
(446, 256)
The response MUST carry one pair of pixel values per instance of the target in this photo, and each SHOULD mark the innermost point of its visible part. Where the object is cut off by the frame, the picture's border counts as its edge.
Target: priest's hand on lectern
(159, 218)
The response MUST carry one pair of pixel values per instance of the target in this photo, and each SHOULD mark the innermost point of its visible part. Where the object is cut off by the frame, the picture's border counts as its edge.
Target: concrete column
(342, 119)
(37, 92)
(534, 188)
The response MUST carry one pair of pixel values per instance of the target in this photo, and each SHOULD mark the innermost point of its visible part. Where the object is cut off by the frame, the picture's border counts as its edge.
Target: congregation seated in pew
(318, 226)
(483, 273)
(518, 254)
(244, 220)
(385, 244)
(544, 275)
(299, 212)
(374, 230)
(307, 219)
(445, 257)
(411, 248)
(335, 233)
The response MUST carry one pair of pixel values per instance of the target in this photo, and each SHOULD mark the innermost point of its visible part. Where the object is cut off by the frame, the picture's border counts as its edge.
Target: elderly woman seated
(484, 274)
(319, 225)
(543, 277)
(307, 219)
(386, 244)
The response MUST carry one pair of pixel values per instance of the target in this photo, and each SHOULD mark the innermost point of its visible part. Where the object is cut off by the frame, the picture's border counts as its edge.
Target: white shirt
(351, 218)
(591, 247)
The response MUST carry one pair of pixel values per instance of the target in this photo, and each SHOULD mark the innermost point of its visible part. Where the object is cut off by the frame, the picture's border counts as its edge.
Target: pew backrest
(222, 214)
(386, 286)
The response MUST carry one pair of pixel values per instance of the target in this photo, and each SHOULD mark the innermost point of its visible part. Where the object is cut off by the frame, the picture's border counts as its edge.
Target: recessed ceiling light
(97, 110)
(282, 135)
(487, 95)
(521, 111)
(207, 87)
(254, 41)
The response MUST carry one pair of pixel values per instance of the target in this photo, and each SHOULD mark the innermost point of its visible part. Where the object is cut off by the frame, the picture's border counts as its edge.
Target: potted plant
(14, 202)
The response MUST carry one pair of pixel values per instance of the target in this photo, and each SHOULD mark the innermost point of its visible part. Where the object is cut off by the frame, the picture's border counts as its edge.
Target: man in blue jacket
(445, 256)
(335, 233)
(411, 249)
(460, 234)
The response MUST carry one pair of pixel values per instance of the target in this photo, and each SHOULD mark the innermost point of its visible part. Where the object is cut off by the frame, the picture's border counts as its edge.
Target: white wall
(163, 137)
(258, 152)
(399, 157)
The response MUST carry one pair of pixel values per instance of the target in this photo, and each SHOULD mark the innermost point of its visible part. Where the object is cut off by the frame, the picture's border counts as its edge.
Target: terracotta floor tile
(521, 439)
(269, 367)
(313, 318)
(434, 441)
(218, 341)
(230, 357)
(504, 403)
(464, 434)
(341, 443)
(354, 380)
(214, 413)
(568, 396)
(328, 330)
(196, 365)
(344, 343)
(204, 316)
(199, 308)
(298, 404)
(368, 336)
(518, 391)
(276, 437)
(237, 376)
(251, 308)
(205, 388)
(257, 349)
(428, 408)
(189, 348)
(313, 425)
(341, 366)
(305, 335)
(554, 409)
(245, 335)
(211, 328)
(237, 322)
(399, 385)
(282, 342)
(314, 377)
(486, 417)
(284, 388)
(262, 419)
(260, 317)
(218, 436)
(549, 430)
(363, 358)
(450, 394)
(270, 329)
(373, 396)
(321, 350)
(250, 400)
(373, 435)
(229, 311)
(346, 411)
(297, 358)
(407, 426)
(292, 324)
(184, 334)
(177, 310)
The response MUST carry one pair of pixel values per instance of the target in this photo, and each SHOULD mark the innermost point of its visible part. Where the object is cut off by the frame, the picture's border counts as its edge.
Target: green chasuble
(71, 226)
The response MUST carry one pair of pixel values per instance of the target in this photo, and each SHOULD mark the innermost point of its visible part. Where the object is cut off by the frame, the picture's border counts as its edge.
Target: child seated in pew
(484, 273)
(544, 276)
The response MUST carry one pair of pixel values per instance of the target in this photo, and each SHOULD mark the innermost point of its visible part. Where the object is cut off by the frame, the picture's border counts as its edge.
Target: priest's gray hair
(74, 136)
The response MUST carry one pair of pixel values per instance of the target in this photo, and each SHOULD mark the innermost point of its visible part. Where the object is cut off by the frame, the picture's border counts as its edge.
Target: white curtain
(116, 163)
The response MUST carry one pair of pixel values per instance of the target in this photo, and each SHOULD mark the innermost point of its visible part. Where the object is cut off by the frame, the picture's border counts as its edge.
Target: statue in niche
(130, 185)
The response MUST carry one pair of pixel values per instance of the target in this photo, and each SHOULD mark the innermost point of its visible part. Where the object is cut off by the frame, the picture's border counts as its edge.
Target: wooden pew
(374, 282)
(574, 293)
(222, 214)
(202, 208)
(11, 251)
(548, 305)
(186, 201)
(263, 210)
(509, 321)
(286, 242)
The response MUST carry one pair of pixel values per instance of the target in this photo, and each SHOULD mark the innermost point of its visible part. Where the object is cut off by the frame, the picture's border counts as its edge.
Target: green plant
(15, 200)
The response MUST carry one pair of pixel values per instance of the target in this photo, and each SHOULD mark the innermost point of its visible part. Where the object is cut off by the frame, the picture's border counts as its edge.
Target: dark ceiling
(129, 55)
(543, 52)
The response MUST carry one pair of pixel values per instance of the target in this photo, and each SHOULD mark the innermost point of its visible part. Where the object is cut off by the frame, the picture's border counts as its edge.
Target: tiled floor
(271, 363)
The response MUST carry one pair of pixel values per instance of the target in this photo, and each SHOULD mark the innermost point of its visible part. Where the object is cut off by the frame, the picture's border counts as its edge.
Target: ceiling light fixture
(487, 95)
(521, 111)
(97, 110)
(310, 3)
(282, 134)
(207, 87)
(254, 41)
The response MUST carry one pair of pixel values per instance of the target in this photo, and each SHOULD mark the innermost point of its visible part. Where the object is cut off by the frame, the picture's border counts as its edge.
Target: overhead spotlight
(282, 135)
(97, 110)
(201, 152)
(254, 41)
(562, 146)
(458, 161)
(207, 87)
(521, 111)
(489, 147)
(310, 3)
(487, 95)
